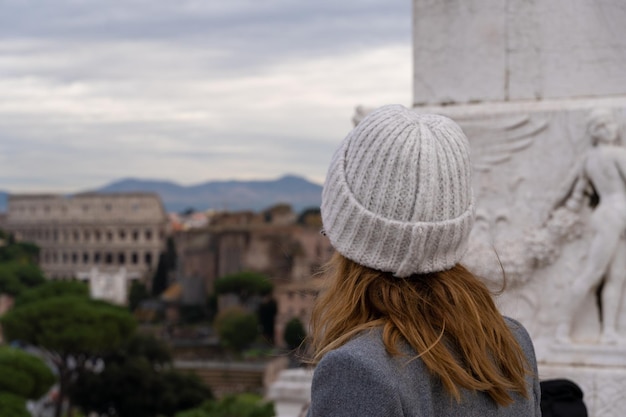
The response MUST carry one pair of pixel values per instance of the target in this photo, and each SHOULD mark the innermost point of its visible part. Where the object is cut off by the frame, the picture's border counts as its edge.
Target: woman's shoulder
(516, 327)
(521, 334)
(355, 380)
(365, 351)
(366, 346)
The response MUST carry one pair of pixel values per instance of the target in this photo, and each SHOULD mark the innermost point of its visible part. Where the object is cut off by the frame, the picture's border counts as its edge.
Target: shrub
(244, 284)
(294, 333)
(23, 374)
(237, 329)
(242, 405)
(12, 405)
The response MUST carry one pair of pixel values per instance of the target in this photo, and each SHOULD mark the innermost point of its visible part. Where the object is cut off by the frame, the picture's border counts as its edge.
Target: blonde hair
(448, 317)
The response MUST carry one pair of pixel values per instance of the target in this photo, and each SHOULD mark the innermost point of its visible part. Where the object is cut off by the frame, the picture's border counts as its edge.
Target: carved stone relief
(551, 224)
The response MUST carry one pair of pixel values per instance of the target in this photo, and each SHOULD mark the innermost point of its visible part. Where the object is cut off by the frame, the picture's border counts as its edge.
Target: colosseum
(84, 232)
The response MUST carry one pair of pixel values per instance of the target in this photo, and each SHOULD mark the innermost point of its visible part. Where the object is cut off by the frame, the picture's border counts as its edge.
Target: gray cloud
(189, 90)
(253, 30)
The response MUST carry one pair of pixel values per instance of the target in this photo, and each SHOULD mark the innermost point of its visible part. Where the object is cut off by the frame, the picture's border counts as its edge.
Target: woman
(403, 329)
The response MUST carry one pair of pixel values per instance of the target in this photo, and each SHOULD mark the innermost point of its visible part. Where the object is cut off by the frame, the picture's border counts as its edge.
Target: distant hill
(226, 195)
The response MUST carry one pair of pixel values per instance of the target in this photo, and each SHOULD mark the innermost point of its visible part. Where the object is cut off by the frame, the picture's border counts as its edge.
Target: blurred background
(189, 91)
(160, 171)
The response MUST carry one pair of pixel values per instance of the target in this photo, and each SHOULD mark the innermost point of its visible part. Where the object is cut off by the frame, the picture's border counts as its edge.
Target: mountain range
(226, 195)
(220, 195)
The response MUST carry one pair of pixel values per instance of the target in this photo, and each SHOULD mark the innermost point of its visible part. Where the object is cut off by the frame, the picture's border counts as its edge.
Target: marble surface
(537, 220)
(469, 51)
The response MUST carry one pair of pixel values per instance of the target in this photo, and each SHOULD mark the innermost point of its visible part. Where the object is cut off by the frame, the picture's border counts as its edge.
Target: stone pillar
(539, 87)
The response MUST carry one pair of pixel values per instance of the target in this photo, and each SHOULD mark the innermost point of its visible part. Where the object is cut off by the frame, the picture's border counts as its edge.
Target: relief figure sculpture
(604, 169)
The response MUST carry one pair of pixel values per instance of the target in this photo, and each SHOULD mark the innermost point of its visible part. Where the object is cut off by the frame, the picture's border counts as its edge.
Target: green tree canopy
(236, 328)
(73, 331)
(135, 382)
(245, 284)
(167, 264)
(23, 374)
(143, 346)
(13, 405)
(266, 313)
(51, 289)
(18, 275)
(241, 405)
(9, 282)
(22, 377)
(18, 251)
(185, 390)
(294, 333)
(18, 265)
(135, 389)
(30, 275)
(137, 293)
(69, 325)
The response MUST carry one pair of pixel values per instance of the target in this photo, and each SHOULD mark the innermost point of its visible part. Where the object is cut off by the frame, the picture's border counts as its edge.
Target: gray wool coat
(360, 379)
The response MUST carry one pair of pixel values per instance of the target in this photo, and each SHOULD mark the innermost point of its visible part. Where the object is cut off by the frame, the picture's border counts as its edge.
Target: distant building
(91, 231)
(275, 244)
(295, 300)
(289, 249)
(188, 221)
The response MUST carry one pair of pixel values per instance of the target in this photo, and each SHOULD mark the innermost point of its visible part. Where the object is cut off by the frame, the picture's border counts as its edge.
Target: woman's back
(403, 329)
(361, 379)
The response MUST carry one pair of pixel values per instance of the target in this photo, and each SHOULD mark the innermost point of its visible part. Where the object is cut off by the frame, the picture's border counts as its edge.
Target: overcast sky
(189, 90)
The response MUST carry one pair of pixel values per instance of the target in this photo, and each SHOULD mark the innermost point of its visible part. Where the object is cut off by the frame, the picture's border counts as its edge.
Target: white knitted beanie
(398, 193)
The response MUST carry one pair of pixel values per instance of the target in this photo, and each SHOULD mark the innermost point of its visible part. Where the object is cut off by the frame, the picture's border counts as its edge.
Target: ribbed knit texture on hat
(398, 193)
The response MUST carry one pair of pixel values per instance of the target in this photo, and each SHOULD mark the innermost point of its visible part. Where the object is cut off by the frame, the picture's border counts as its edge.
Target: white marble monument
(540, 89)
